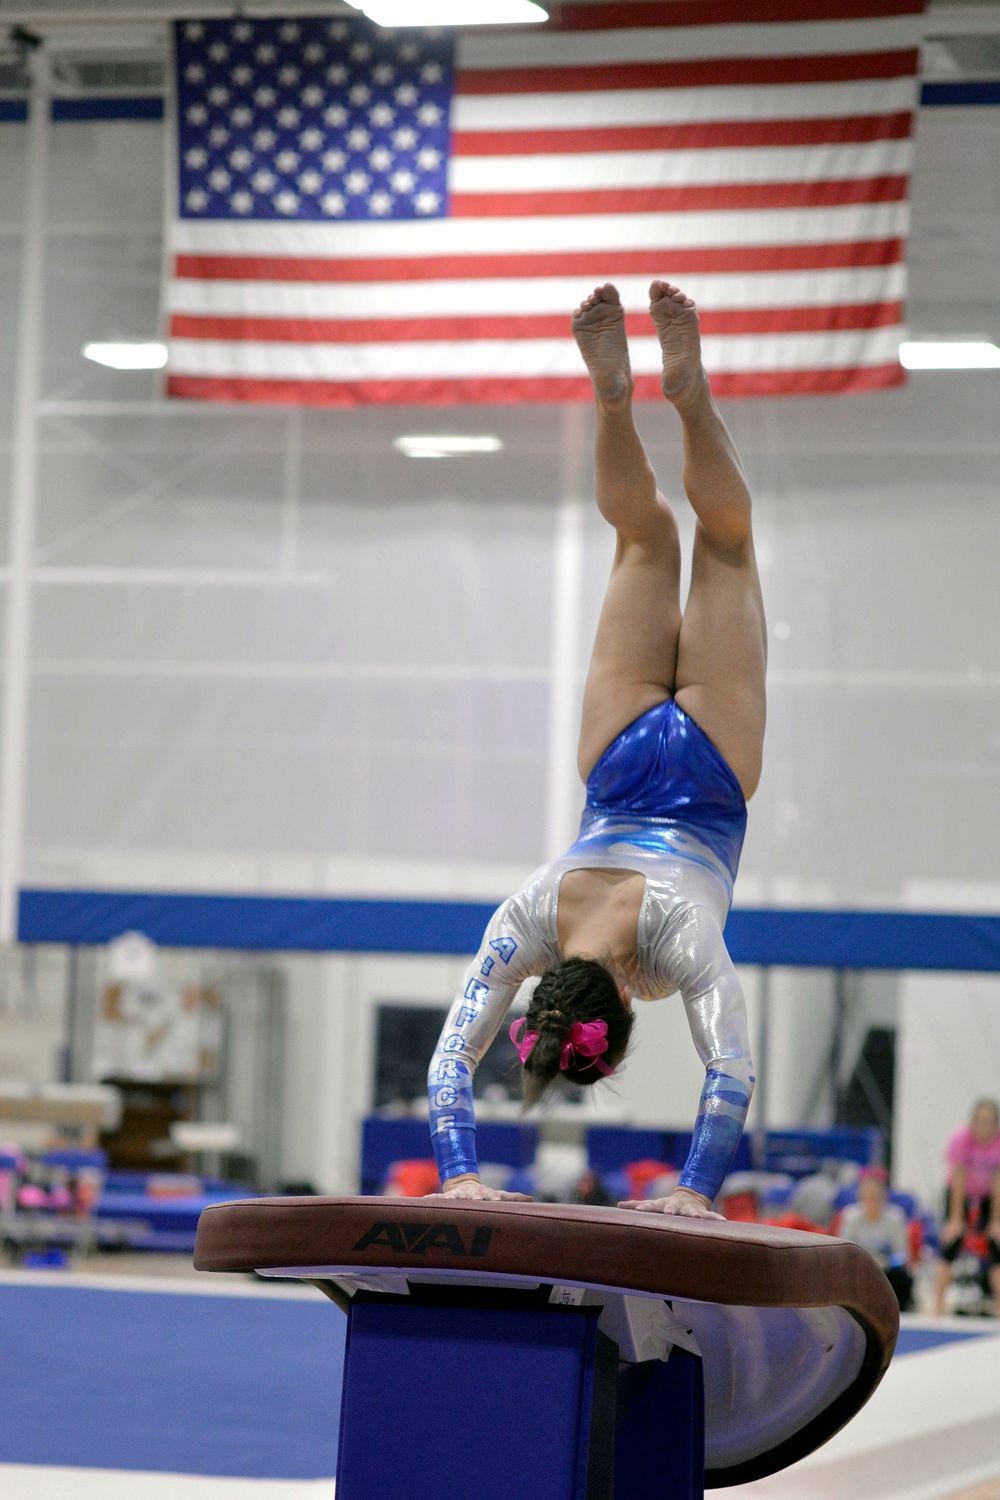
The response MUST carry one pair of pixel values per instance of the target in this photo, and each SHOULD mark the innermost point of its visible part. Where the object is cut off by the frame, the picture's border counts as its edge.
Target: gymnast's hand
(682, 1201)
(473, 1191)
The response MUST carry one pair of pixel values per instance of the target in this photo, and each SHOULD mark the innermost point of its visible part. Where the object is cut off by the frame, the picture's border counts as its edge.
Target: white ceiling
(950, 16)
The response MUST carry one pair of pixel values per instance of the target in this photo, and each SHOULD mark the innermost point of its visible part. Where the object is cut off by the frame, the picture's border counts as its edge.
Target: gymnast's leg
(722, 645)
(718, 675)
(635, 650)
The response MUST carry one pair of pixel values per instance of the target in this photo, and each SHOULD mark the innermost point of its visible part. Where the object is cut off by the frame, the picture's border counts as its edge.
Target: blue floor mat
(242, 1386)
(199, 1384)
(913, 1340)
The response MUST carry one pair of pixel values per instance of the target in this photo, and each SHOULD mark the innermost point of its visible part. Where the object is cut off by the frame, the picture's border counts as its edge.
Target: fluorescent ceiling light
(945, 354)
(445, 445)
(127, 356)
(450, 12)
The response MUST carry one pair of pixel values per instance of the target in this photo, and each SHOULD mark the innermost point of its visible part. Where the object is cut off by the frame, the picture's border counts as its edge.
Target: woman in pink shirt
(973, 1197)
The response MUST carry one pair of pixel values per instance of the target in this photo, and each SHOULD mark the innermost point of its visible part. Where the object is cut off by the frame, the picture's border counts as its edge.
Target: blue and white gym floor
(120, 1387)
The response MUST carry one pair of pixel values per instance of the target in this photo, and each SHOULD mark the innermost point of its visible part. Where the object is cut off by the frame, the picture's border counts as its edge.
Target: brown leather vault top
(749, 1265)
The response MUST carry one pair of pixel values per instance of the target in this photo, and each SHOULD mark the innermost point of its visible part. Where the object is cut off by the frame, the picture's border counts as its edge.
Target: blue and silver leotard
(661, 801)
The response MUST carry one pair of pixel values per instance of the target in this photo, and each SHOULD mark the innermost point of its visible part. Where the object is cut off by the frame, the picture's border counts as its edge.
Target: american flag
(366, 215)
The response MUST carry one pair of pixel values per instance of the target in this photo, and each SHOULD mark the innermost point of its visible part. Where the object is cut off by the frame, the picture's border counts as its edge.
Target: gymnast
(670, 750)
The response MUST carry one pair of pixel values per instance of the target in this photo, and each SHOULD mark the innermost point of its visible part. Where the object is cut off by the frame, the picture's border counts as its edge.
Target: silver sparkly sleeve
(693, 955)
(509, 953)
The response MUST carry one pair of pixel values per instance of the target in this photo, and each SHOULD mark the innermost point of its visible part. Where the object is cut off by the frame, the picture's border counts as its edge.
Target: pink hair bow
(526, 1043)
(585, 1039)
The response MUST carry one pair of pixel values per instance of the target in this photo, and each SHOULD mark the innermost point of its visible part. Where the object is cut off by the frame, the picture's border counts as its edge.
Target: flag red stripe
(587, 263)
(712, 72)
(641, 13)
(841, 382)
(497, 391)
(720, 196)
(845, 130)
(554, 325)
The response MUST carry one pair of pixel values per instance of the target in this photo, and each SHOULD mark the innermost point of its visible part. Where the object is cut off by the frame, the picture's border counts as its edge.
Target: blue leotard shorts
(662, 779)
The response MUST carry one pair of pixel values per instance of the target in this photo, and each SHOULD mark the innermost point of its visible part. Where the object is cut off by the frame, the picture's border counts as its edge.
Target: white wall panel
(379, 709)
(798, 1061)
(662, 1079)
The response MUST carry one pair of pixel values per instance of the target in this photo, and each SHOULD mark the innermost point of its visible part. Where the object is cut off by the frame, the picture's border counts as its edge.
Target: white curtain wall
(270, 652)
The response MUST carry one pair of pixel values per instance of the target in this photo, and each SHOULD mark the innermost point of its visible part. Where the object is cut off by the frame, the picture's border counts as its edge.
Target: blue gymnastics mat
(916, 1340)
(183, 1383)
(245, 1386)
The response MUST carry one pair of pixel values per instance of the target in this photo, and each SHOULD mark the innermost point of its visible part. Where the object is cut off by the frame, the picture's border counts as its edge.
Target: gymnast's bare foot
(676, 319)
(599, 329)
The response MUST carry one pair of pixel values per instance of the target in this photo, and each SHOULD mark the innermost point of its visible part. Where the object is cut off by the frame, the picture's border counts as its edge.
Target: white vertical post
(563, 795)
(24, 463)
(763, 1048)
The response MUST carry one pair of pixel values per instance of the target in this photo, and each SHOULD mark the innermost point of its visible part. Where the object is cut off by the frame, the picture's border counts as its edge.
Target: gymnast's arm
(489, 986)
(694, 957)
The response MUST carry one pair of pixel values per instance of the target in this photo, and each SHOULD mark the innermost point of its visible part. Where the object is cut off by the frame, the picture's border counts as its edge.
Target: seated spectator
(881, 1229)
(813, 1199)
(972, 1201)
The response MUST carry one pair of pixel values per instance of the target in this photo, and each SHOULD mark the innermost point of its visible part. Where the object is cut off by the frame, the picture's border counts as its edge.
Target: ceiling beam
(77, 25)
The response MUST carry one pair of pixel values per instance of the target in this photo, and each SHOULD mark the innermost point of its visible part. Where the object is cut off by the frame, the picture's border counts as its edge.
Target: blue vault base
(503, 1398)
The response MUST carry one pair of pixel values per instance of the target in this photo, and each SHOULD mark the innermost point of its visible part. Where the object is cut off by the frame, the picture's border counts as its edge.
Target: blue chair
(803, 1151)
(73, 1158)
(616, 1186)
(612, 1147)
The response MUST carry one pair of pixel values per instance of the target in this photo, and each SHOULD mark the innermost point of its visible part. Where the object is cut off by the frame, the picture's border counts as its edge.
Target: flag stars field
(342, 88)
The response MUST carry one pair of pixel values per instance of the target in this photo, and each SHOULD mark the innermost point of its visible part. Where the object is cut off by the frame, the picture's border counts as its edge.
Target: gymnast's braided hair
(572, 991)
